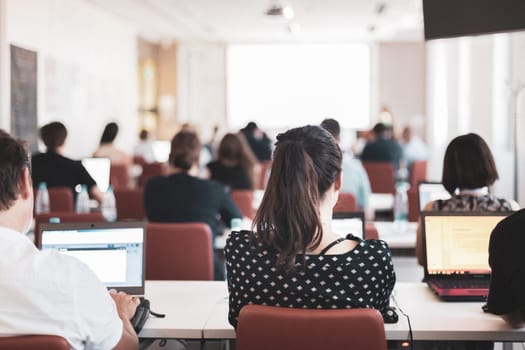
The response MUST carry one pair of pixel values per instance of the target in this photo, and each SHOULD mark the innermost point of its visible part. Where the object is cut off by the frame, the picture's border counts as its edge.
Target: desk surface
(196, 310)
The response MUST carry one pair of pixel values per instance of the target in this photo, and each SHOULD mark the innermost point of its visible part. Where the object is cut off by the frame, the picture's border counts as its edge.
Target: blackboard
(24, 96)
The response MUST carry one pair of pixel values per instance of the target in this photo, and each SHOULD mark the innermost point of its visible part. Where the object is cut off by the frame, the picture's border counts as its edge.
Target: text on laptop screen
(458, 244)
(114, 254)
(431, 192)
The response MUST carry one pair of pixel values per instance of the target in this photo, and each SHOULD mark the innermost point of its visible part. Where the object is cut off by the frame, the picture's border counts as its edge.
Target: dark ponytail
(306, 163)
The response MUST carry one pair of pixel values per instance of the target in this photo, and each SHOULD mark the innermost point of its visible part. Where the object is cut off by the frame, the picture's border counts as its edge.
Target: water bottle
(401, 206)
(109, 208)
(235, 224)
(82, 204)
(42, 199)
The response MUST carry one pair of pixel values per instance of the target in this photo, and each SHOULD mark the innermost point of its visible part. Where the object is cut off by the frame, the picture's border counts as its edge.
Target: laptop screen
(430, 191)
(458, 243)
(99, 169)
(344, 223)
(114, 251)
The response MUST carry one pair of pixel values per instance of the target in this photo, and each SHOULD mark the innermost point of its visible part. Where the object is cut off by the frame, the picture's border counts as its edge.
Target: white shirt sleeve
(97, 312)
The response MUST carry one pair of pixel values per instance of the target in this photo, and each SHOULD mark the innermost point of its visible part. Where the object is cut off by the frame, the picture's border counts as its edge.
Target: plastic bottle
(42, 199)
(82, 204)
(401, 206)
(235, 224)
(108, 207)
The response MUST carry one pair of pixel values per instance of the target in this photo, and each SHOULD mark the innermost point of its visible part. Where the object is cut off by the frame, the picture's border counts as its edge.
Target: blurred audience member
(107, 149)
(56, 170)
(259, 142)
(383, 148)
(235, 164)
(413, 146)
(144, 148)
(183, 197)
(355, 178)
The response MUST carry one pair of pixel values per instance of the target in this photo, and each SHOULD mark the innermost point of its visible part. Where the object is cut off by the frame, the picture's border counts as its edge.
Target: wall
(87, 61)
(201, 85)
(400, 83)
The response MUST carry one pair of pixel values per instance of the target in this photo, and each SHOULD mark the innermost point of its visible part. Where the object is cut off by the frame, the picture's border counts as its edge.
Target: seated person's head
(333, 127)
(381, 131)
(468, 164)
(230, 149)
(143, 135)
(15, 180)
(305, 176)
(53, 135)
(110, 133)
(185, 151)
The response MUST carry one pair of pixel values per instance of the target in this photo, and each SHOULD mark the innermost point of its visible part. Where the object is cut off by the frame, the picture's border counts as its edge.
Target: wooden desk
(199, 310)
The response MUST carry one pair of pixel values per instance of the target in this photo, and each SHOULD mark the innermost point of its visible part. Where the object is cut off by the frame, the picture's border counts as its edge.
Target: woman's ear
(26, 185)
(338, 181)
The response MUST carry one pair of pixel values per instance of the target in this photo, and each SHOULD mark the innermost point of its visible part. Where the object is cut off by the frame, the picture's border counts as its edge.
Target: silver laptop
(114, 251)
(99, 169)
(430, 191)
(456, 246)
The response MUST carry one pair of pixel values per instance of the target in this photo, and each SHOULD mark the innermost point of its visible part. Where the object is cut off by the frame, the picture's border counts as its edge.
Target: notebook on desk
(114, 251)
(456, 246)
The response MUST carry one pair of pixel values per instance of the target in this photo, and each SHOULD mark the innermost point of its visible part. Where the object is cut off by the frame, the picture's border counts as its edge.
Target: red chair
(244, 201)
(264, 174)
(179, 251)
(150, 170)
(371, 231)
(119, 176)
(34, 342)
(345, 203)
(64, 217)
(381, 175)
(418, 172)
(60, 199)
(130, 204)
(139, 160)
(280, 328)
(413, 205)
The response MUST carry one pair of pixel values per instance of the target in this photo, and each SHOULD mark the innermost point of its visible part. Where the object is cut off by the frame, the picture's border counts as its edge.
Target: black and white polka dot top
(363, 277)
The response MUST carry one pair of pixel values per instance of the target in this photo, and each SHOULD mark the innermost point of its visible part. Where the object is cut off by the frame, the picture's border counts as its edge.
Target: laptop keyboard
(462, 284)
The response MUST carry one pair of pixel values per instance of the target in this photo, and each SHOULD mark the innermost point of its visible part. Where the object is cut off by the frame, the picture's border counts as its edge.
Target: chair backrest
(64, 217)
(264, 173)
(244, 201)
(60, 198)
(279, 328)
(139, 160)
(150, 170)
(418, 172)
(130, 203)
(371, 231)
(381, 175)
(179, 251)
(345, 202)
(34, 342)
(413, 205)
(119, 176)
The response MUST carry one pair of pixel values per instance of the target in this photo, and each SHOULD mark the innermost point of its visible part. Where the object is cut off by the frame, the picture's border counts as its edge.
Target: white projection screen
(287, 85)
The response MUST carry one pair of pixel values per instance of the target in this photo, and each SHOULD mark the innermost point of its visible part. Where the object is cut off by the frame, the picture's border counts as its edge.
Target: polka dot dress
(363, 277)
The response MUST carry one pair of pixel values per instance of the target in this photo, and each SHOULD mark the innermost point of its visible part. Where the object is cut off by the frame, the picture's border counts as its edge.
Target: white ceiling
(235, 21)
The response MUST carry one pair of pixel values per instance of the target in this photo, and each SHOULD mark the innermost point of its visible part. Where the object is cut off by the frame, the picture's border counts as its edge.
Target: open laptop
(430, 191)
(99, 169)
(114, 251)
(456, 246)
(344, 223)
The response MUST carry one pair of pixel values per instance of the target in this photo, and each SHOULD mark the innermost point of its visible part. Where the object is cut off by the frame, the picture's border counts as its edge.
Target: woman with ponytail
(294, 258)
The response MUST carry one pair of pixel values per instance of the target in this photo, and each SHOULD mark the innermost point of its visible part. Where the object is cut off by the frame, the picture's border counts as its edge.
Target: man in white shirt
(46, 292)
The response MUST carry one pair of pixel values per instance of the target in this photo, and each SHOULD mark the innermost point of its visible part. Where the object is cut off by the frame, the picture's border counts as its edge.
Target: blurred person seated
(49, 292)
(144, 148)
(56, 170)
(184, 197)
(469, 171)
(413, 146)
(355, 178)
(382, 147)
(297, 259)
(259, 142)
(235, 164)
(107, 149)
